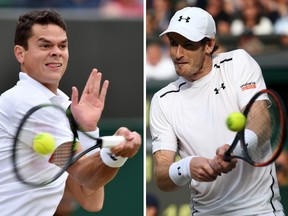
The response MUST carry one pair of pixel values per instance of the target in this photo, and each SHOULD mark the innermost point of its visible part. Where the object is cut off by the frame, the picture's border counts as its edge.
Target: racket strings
(37, 169)
(62, 156)
(264, 119)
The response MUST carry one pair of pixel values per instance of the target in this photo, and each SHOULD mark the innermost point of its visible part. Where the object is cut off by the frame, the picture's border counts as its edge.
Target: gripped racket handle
(227, 157)
(111, 141)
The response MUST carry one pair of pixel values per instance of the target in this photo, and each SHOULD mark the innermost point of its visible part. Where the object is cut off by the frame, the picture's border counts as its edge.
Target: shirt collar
(59, 98)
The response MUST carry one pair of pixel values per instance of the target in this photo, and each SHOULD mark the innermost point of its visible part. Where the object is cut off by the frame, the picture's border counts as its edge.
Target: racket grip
(111, 141)
(227, 157)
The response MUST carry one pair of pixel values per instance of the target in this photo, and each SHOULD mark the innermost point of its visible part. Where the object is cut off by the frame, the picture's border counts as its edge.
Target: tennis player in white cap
(187, 117)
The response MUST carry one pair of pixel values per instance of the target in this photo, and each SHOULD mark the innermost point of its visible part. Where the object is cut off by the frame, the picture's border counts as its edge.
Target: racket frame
(72, 157)
(240, 135)
(14, 149)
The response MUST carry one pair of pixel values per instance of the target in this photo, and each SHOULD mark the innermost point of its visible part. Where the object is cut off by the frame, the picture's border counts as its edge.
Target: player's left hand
(130, 147)
(221, 166)
(87, 111)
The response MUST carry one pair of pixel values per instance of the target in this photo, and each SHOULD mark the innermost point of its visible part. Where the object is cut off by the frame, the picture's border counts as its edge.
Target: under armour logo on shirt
(112, 156)
(178, 169)
(218, 89)
(181, 17)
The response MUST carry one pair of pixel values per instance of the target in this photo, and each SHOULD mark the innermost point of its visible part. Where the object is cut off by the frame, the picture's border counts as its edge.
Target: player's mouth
(53, 65)
(180, 63)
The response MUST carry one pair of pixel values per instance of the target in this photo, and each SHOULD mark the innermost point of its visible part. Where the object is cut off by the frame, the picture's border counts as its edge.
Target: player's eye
(63, 46)
(191, 45)
(44, 45)
(172, 43)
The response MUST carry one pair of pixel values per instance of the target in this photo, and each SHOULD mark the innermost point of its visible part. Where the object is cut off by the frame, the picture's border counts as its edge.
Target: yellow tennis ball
(236, 121)
(44, 143)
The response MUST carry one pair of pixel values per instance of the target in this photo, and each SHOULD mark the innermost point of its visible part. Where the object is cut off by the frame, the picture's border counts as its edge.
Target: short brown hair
(206, 40)
(25, 23)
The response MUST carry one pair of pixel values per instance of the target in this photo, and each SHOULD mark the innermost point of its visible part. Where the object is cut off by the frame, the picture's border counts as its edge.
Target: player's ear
(210, 45)
(19, 53)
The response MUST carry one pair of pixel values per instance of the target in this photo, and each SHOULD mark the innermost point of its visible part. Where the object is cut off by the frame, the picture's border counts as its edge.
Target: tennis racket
(262, 139)
(36, 169)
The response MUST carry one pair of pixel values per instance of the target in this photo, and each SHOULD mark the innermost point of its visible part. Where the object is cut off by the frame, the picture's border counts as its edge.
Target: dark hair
(25, 23)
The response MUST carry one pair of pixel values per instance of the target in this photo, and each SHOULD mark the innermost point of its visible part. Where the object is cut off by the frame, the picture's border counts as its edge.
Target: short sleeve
(248, 76)
(163, 136)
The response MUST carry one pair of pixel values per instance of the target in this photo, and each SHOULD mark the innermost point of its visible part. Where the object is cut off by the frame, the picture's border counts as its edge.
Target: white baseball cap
(193, 23)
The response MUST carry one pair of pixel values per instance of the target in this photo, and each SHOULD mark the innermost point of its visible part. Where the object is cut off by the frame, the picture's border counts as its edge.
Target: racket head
(36, 169)
(266, 116)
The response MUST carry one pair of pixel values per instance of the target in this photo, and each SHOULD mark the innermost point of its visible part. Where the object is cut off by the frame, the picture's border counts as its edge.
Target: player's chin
(187, 74)
(55, 73)
(180, 69)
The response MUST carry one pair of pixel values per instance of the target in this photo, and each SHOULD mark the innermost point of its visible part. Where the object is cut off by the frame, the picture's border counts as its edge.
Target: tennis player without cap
(41, 48)
(188, 117)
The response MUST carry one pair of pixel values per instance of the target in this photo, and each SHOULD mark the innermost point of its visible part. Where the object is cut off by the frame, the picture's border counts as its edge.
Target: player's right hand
(132, 143)
(221, 166)
(202, 171)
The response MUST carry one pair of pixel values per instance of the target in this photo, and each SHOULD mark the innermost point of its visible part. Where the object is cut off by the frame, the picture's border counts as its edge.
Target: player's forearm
(91, 172)
(90, 200)
(259, 111)
(161, 173)
(164, 182)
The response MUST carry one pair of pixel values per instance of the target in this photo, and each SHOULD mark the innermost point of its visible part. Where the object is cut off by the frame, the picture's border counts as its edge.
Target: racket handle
(227, 157)
(111, 141)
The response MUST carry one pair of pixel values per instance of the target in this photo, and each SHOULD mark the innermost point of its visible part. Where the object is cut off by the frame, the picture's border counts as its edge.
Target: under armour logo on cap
(192, 23)
(181, 17)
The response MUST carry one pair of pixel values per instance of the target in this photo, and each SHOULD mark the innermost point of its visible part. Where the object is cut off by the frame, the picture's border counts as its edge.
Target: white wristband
(87, 142)
(179, 171)
(110, 159)
(251, 140)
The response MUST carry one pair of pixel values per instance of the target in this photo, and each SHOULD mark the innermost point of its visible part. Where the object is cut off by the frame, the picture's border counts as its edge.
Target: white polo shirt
(189, 118)
(15, 197)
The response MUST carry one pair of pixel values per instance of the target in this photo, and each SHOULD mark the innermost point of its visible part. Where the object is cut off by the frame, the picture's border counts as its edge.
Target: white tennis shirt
(189, 118)
(15, 197)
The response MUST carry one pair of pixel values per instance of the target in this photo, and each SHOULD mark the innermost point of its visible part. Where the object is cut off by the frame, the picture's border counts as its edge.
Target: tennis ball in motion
(236, 121)
(44, 143)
